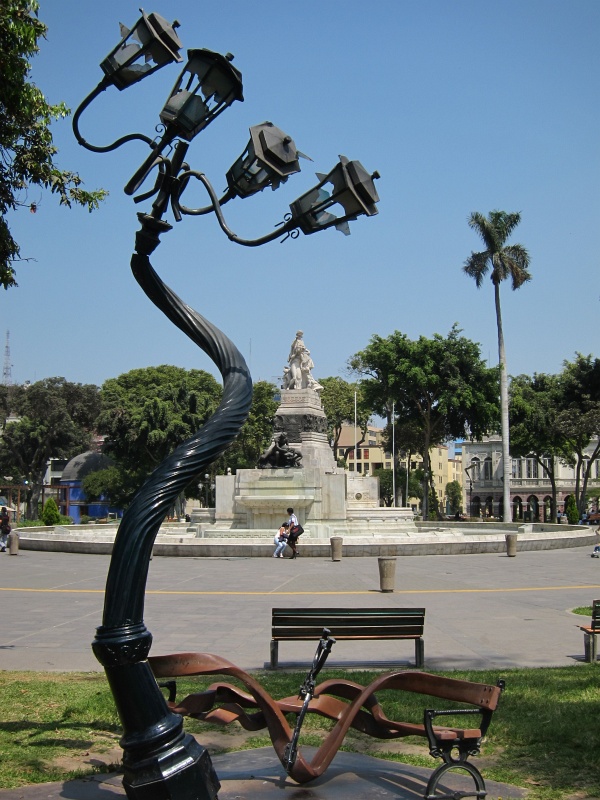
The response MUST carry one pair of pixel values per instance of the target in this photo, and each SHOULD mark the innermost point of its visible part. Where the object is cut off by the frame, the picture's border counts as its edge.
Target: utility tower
(7, 370)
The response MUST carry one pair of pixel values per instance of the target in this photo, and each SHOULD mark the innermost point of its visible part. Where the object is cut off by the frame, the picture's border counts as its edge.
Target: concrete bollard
(336, 548)
(387, 573)
(13, 543)
(511, 544)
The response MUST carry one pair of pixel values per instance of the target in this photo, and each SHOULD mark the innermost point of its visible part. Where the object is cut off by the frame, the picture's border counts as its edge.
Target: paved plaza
(482, 611)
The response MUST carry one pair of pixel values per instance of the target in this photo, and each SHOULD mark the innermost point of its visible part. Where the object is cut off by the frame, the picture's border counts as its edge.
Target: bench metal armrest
(465, 747)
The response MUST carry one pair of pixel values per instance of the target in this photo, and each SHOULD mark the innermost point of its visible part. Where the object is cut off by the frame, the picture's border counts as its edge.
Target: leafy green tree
(146, 413)
(535, 429)
(386, 485)
(27, 151)
(502, 260)
(440, 385)
(118, 484)
(256, 432)
(55, 419)
(338, 398)
(432, 510)
(454, 495)
(50, 515)
(579, 418)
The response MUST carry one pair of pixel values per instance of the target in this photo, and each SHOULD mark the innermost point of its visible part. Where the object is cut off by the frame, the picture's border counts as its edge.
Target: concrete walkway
(484, 610)
(257, 775)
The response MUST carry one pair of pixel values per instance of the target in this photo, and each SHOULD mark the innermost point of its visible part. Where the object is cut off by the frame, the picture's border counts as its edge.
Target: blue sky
(460, 105)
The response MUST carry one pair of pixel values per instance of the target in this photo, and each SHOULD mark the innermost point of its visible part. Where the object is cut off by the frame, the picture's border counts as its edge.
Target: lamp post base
(182, 772)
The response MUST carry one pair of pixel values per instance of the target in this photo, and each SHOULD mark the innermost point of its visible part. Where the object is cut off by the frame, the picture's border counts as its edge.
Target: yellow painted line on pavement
(313, 593)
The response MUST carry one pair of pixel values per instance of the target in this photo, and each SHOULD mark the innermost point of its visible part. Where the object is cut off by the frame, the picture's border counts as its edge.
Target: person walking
(295, 529)
(293, 520)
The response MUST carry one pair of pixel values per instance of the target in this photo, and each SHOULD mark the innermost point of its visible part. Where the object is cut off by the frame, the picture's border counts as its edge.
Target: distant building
(371, 455)
(72, 500)
(530, 488)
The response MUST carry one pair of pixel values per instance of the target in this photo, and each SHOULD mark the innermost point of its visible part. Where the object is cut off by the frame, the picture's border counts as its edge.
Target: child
(281, 538)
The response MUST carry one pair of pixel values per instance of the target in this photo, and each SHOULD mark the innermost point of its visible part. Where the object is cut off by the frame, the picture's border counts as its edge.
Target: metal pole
(394, 452)
(355, 454)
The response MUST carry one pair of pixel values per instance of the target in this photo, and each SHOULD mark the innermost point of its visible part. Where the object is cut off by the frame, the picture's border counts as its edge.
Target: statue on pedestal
(298, 374)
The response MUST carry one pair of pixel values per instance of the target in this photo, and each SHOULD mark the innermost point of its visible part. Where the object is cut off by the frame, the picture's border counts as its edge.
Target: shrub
(571, 510)
(50, 515)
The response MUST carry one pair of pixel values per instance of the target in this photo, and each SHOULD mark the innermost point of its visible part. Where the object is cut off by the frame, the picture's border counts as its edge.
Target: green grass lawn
(545, 735)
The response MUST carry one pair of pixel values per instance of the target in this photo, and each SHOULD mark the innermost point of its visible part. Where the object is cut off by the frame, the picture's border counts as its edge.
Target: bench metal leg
(274, 653)
(432, 792)
(590, 646)
(420, 652)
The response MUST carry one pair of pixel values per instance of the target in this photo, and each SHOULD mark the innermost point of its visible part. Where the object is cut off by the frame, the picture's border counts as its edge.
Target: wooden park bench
(590, 643)
(305, 624)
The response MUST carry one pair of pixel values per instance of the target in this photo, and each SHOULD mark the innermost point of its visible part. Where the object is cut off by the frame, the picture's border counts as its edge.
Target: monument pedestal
(301, 417)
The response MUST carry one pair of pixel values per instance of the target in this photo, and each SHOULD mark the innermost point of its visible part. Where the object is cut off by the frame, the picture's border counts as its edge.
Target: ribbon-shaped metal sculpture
(347, 704)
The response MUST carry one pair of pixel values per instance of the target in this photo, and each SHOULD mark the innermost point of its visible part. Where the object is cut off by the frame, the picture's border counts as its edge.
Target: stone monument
(298, 470)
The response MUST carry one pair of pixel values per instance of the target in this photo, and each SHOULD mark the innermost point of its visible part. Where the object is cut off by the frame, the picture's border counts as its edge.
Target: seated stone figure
(279, 454)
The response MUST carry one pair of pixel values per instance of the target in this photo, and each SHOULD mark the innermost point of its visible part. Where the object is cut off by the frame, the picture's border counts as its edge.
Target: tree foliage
(54, 419)
(386, 485)
(338, 398)
(441, 386)
(27, 151)
(534, 411)
(146, 413)
(579, 418)
(454, 495)
(558, 417)
(256, 432)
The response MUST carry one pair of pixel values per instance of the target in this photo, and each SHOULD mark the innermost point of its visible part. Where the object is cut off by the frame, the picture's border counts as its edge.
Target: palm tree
(503, 260)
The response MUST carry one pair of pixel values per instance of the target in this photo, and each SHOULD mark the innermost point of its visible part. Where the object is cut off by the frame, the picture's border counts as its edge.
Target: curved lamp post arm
(105, 148)
(195, 212)
(288, 227)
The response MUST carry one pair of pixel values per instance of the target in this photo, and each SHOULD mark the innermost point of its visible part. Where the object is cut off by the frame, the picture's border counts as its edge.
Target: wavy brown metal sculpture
(348, 704)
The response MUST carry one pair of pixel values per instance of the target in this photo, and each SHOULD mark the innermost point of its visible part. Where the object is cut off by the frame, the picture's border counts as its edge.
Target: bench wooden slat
(303, 624)
(349, 631)
(348, 612)
(335, 619)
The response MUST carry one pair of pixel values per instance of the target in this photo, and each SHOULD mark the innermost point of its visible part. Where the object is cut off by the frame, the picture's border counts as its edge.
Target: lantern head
(207, 86)
(352, 189)
(268, 160)
(149, 45)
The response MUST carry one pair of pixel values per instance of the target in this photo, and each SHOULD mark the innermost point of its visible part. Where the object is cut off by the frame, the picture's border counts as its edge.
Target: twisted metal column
(160, 759)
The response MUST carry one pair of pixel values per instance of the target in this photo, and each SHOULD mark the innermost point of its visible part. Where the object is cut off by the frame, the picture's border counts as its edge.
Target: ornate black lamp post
(160, 759)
